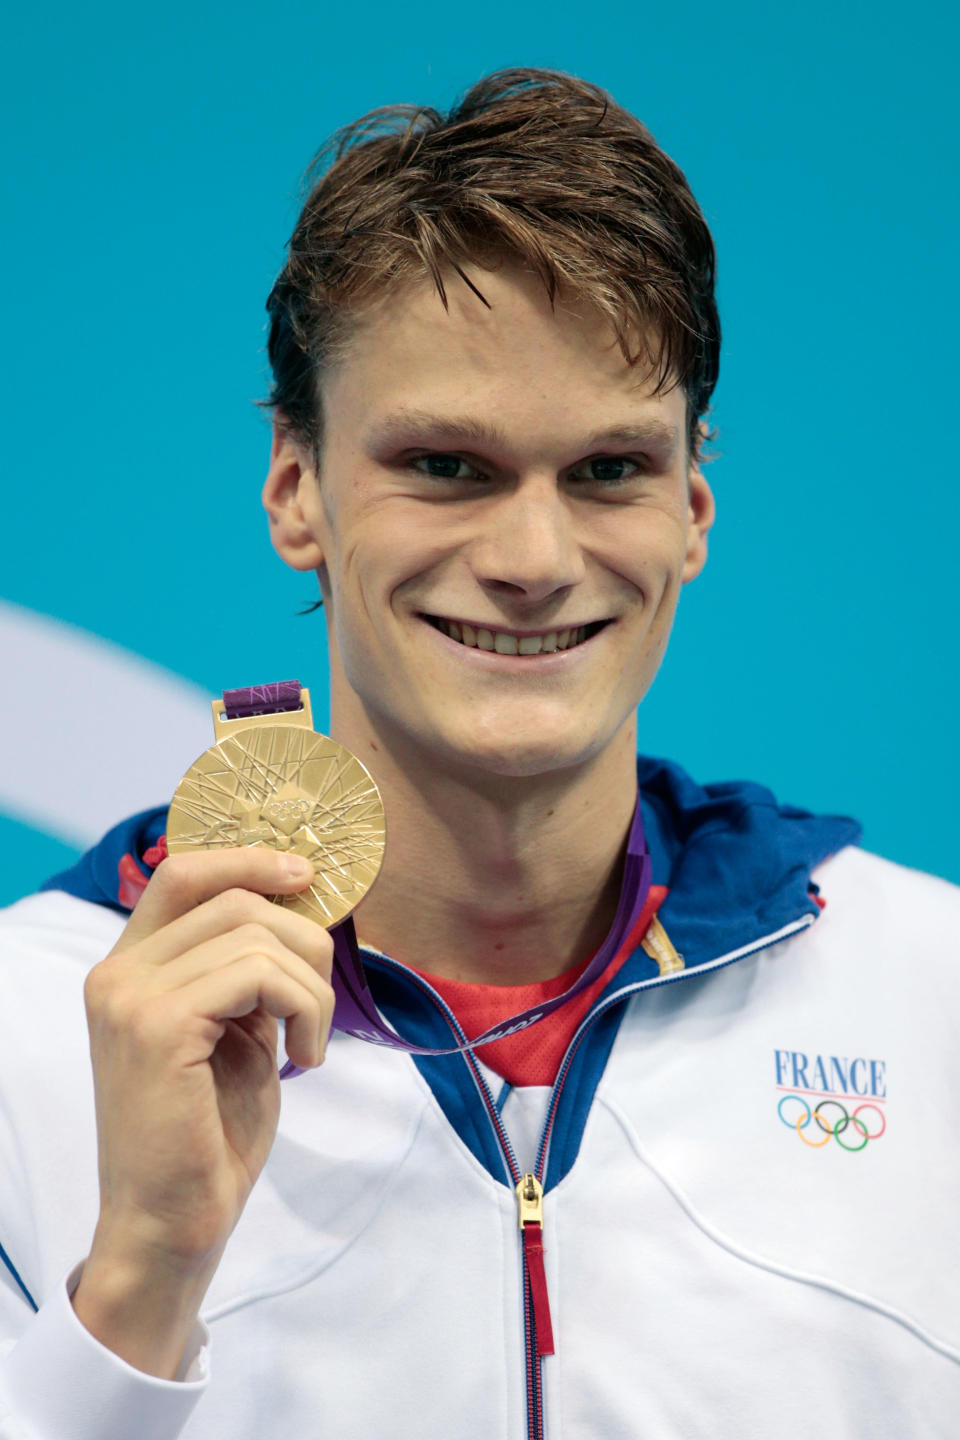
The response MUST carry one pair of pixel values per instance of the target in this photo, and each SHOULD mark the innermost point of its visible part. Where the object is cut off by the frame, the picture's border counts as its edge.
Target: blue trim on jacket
(448, 1076)
(8, 1263)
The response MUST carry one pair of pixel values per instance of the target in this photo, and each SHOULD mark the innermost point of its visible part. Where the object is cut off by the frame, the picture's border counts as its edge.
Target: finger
(246, 942)
(253, 983)
(182, 882)
(230, 911)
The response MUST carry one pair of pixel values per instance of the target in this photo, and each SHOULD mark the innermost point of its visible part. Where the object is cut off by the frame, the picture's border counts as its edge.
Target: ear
(290, 485)
(701, 514)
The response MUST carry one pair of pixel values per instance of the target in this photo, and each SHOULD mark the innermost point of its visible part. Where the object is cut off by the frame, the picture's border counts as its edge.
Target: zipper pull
(530, 1209)
(530, 1201)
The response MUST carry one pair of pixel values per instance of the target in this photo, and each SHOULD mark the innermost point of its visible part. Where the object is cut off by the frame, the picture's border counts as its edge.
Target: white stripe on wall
(89, 732)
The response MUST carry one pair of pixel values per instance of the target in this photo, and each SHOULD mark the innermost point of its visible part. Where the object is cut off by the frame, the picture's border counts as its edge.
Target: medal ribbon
(355, 1011)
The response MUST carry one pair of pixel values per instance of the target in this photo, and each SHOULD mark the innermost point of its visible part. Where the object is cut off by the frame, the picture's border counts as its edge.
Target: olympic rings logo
(823, 1127)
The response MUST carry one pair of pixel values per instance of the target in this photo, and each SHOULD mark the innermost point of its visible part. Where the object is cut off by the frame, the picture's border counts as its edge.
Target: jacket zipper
(528, 1187)
(537, 1325)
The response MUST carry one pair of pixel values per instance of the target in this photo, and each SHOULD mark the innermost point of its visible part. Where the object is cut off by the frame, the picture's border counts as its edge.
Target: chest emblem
(831, 1097)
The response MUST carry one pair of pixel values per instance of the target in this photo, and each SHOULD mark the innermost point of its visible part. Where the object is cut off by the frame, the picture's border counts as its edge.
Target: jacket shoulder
(877, 907)
(54, 927)
(854, 874)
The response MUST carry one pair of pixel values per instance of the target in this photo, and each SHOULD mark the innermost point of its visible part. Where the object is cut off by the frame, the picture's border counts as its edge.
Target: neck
(504, 881)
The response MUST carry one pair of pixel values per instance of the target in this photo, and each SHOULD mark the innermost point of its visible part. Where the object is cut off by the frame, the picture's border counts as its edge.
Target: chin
(516, 756)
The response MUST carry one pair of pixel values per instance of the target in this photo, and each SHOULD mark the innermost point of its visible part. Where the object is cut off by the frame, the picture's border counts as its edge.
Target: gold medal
(272, 780)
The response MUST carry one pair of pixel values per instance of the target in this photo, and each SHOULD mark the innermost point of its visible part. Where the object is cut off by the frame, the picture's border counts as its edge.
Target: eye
(446, 466)
(609, 469)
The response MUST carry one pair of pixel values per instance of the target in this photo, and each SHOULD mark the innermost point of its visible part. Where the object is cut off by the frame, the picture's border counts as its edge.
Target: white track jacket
(751, 1174)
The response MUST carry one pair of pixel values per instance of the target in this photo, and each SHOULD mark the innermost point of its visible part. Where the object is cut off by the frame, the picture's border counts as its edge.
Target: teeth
(503, 643)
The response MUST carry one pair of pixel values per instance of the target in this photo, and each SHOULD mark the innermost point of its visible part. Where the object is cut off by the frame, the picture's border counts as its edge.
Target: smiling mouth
(506, 642)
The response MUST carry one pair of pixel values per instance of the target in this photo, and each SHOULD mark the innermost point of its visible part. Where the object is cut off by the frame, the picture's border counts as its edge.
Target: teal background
(152, 164)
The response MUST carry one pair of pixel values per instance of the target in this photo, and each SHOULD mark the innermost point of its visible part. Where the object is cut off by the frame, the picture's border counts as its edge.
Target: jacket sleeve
(56, 1380)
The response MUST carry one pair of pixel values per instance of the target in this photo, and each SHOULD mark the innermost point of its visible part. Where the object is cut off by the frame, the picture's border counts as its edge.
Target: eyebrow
(413, 424)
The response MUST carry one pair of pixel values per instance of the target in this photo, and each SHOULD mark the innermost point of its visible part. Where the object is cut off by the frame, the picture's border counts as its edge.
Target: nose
(528, 546)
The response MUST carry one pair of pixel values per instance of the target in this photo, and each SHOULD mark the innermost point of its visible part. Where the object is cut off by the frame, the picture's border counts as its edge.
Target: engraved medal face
(288, 788)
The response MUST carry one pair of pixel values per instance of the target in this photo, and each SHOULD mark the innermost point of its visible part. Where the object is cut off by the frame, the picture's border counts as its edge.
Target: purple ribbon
(355, 1012)
(271, 699)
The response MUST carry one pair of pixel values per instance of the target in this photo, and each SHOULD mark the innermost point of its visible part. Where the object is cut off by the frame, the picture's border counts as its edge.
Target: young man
(711, 1192)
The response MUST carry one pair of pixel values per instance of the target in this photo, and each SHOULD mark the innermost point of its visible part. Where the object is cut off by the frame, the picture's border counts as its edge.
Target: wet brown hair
(530, 164)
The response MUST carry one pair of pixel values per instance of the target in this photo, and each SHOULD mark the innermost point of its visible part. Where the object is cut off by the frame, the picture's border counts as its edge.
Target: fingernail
(298, 866)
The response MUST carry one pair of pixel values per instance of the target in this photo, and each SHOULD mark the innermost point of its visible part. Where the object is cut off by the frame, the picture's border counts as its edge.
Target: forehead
(514, 360)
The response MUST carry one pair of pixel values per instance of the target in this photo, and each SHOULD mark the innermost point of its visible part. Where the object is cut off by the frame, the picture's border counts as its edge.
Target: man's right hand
(183, 1019)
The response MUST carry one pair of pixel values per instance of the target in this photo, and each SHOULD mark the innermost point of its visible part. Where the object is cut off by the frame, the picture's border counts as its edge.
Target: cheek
(354, 602)
(649, 556)
(370, 572)
(392, 564)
